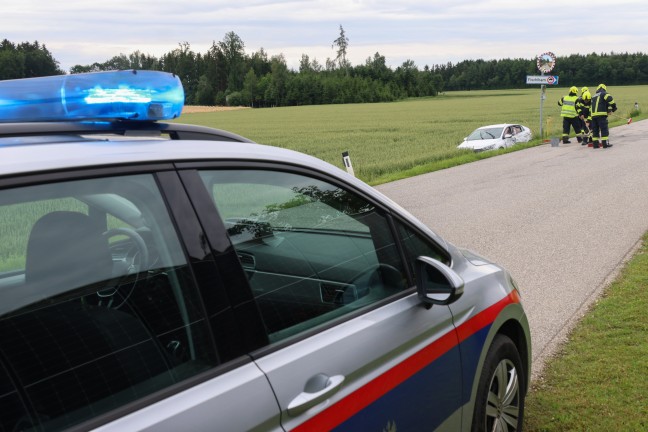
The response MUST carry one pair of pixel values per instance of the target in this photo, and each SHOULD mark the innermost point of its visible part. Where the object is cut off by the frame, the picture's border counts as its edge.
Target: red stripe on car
(367, 394)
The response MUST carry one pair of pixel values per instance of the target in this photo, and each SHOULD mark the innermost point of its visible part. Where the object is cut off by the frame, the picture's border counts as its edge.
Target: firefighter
(602, 105)
(570, 115)
(583, 105)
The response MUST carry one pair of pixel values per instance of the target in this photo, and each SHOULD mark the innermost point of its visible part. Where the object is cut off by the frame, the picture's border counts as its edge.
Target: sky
(427, 32)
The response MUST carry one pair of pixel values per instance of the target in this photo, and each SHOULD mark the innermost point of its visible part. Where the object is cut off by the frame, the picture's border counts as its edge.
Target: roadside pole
(346, 160)
(543, 96)
(545, 63)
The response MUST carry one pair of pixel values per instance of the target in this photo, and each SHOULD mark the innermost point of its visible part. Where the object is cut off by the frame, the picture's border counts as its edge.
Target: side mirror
(465, 138)
(436, 283)
(508, 136)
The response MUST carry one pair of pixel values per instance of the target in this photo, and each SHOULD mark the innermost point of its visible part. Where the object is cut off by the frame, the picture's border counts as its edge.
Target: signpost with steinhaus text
(545, 62)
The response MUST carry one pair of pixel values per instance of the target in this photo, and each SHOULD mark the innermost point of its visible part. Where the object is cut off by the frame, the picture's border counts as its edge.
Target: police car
(160, 276)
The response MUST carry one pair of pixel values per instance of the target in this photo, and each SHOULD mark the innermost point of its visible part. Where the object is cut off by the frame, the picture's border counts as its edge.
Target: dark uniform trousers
(574, 122)
(600, 124)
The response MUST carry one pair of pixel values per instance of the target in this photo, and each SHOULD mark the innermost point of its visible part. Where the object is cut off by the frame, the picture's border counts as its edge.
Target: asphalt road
(563, 220)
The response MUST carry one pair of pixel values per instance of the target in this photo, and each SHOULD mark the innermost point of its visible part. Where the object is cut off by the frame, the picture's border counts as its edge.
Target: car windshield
(485, 133)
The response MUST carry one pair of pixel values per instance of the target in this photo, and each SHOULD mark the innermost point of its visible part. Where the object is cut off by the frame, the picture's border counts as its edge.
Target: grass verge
(599, 380)
(443, 163)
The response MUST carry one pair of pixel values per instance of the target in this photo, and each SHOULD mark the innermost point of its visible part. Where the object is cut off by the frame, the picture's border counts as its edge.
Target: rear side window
(97, 304)
(312, 251)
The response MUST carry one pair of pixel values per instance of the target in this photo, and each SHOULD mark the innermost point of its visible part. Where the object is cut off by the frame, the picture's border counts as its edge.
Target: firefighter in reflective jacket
(602, 105)
(583, 106)
(570, 115)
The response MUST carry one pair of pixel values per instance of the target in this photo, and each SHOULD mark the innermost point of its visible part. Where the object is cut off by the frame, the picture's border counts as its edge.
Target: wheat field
(392, 138)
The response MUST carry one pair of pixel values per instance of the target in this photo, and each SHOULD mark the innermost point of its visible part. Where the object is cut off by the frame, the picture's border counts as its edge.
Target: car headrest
(66, 250)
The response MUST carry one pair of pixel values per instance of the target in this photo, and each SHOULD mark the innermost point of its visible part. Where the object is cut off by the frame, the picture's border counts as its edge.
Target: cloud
(427, 32)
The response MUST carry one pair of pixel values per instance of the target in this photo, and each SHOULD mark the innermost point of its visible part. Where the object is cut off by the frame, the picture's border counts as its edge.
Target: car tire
(499, 405)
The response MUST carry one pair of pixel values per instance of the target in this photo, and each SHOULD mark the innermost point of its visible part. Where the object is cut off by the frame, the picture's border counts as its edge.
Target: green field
(387, 141)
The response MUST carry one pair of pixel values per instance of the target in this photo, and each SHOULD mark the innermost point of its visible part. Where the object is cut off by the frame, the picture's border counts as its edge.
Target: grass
(388, 141)
(599, 382)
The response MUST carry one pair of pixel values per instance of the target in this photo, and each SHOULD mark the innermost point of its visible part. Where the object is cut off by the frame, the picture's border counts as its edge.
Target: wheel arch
(511, 323)
(513, 329)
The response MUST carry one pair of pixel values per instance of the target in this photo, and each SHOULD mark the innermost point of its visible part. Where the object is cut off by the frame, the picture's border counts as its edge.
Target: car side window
(99, 308)
(312, 251)
(416, 245)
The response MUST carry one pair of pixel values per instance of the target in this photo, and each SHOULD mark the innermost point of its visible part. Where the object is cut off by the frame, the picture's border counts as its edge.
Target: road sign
(542, 79)
(546, 62)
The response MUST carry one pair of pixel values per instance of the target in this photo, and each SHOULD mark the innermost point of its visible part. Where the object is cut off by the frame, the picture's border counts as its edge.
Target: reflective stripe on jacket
(568, 104)
(602, 104)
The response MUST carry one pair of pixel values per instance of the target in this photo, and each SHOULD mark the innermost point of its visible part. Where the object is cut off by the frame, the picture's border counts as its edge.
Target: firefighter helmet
(573, 89)
(601, 86)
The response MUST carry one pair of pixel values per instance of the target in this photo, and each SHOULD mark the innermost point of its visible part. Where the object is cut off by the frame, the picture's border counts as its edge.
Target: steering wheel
(134, 261)
(141, 255)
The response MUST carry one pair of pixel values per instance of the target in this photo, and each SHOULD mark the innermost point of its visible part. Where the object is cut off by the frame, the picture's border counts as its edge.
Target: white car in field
(496, 137)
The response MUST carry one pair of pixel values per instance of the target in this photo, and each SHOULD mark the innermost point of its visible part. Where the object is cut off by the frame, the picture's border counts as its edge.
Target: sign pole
(542, 98)
(545, 62)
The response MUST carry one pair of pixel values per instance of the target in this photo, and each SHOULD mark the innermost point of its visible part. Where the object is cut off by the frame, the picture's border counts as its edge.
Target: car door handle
(317, 389)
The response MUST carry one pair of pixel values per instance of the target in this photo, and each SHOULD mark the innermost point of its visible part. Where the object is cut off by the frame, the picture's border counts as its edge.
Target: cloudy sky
(425, 31)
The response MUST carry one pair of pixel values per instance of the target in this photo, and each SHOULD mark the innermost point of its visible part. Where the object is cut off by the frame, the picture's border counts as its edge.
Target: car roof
(53, 152)
(501, 125)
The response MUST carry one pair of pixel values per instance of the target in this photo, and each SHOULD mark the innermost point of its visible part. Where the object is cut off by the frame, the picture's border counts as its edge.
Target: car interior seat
(69, 354)
(65, 249)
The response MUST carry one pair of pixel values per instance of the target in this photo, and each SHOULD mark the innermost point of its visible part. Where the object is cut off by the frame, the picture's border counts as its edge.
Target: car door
(508, 136)
(103, 324)
(350, 347)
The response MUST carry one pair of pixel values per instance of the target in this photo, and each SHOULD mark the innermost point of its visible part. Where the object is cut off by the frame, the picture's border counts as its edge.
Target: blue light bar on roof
(118, 95)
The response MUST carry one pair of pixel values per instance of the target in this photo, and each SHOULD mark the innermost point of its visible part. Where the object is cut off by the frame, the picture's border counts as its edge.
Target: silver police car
(160, 276)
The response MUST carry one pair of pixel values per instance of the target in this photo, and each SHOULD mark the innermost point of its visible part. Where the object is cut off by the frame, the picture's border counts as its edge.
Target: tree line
(226, 75)
(26, 60)
(576, 69)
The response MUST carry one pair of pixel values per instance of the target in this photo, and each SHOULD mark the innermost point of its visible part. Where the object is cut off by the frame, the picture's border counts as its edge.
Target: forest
(227, 75)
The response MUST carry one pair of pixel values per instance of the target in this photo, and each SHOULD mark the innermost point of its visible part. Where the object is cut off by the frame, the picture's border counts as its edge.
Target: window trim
(442, 251)
(189, 172)
(201, 238)
(238, 291)
(81, 174)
